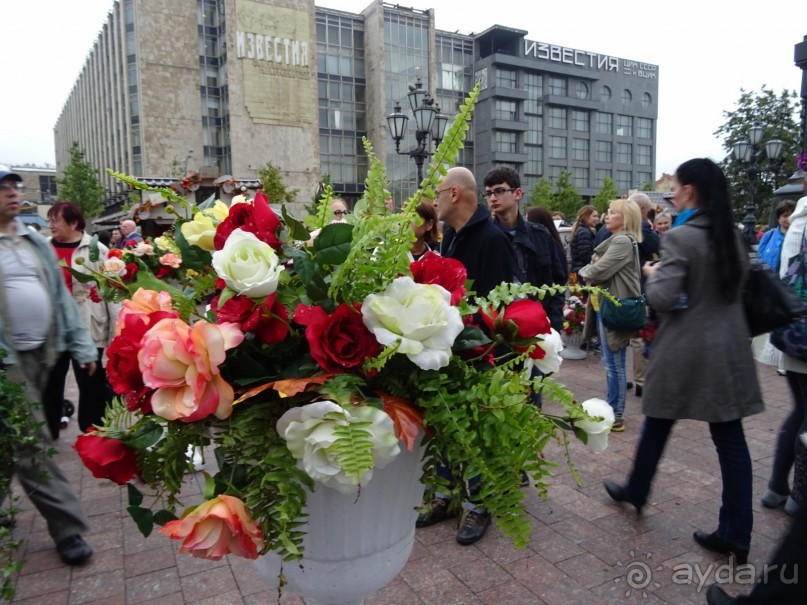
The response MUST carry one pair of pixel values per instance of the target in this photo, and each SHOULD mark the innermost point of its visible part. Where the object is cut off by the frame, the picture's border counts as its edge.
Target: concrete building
(240, 83)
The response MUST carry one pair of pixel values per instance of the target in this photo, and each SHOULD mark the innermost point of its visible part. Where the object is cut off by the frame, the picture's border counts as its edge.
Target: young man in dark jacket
(538, 260)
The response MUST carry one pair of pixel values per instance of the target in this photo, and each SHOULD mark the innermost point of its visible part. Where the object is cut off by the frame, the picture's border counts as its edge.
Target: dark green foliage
(80, 183)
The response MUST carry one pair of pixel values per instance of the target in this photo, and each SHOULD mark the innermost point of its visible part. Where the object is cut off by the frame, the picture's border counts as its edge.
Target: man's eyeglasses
(340, 212)
(499, 191)
(15, 186)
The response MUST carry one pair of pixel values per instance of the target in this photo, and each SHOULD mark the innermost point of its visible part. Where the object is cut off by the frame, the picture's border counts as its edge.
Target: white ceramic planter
(571, 349)
(355, 545)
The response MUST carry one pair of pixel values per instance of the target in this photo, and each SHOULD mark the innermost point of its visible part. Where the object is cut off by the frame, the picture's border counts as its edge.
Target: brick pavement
(582, 549)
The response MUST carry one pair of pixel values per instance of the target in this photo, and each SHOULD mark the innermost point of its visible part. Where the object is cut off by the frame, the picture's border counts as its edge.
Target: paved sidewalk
(584, 549)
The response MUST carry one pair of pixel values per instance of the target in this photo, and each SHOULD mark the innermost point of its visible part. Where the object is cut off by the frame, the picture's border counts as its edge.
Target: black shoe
(473, 527)
(638, 390)
(618, 494)
(715, 543)
(74, 550)
(525, 479)
(438, 512)
(717, 596)
(630, 385)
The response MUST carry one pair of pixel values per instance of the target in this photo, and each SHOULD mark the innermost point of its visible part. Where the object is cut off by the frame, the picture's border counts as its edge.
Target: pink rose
(171, 260)
(182, 363)
(216, 528)
(142, 303)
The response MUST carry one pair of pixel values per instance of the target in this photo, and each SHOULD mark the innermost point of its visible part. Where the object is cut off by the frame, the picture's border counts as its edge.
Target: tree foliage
(566, 198)
(81, 184)
(274, 187)
(776, 113)
(607, 192)
(541, 194)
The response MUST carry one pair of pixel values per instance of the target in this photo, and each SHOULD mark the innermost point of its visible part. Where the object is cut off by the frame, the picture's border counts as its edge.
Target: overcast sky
(706, 50)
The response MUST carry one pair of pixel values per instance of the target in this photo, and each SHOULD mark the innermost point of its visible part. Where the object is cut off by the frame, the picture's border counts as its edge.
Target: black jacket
(539, 261)
(648, 248)
(581, 247)
(484, 250)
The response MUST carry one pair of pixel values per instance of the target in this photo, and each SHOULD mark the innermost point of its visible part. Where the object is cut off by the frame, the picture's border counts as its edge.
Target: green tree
(80, 183)
(604, 196)
(274, 187)
(777, 116)
(566, 197)
(541, 194)
(648, 186)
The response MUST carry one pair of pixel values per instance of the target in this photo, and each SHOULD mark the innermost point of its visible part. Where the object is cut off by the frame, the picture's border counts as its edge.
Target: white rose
(142, 249)
(552, 344)
(597, 429)
(114, 266)
(248, 265)
(420, 316)
(310, 436)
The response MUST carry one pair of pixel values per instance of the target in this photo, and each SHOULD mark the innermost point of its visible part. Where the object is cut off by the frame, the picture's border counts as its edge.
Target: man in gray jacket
(39, 320)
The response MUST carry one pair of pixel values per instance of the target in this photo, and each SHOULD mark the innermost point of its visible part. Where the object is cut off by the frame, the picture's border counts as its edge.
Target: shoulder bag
(791, 338)
(768, 301)
(630, 315)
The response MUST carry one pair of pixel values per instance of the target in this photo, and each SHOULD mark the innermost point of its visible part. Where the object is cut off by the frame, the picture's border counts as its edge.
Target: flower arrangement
(313, 366)
(191, 181)
(574, 314)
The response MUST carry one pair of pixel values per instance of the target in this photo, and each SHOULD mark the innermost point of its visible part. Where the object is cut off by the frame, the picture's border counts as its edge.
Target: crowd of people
(689, 267)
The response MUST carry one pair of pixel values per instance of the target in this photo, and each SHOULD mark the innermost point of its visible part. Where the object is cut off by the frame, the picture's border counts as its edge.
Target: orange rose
(142, 303)
(216, 528)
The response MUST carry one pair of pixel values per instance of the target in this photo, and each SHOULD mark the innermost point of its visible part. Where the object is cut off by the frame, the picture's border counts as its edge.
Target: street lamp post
(429, 123)
(747, 152)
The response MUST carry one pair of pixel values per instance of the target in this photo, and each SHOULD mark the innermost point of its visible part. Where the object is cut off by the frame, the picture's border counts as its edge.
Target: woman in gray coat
(701, 367)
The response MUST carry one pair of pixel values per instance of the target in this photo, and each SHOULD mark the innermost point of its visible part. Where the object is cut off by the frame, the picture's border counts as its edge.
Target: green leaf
(144, 435)
(94, 250)
(297, 230)
(143, 518)
(161, 517)
(332, 245)
(226, 295)
(470, 337)
(135, 497)
(209, 491)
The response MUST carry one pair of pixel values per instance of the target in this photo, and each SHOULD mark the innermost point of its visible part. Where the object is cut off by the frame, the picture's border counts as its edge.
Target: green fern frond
(353, 447)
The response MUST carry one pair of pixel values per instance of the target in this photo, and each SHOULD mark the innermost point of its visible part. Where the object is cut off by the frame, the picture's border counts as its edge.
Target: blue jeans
(615, 373)
(788, 442)
(736, 519)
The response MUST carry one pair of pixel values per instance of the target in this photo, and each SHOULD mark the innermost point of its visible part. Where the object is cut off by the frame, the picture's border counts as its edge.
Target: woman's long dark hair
(541, 216)
(708, 180)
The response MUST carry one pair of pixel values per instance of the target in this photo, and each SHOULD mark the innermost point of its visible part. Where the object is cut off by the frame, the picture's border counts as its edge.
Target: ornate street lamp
(747, 152)
(430, 123)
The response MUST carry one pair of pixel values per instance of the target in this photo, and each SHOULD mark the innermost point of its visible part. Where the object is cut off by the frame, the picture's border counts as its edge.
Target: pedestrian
(615, 267)
(470, 237)
(129, 237)
(701, 367)
(38, 321)
(582, 242)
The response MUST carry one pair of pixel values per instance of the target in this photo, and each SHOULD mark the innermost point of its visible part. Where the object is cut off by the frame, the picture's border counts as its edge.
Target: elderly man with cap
(38, 321)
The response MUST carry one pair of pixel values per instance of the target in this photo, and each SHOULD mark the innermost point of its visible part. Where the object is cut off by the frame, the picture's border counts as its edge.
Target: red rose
(257, 218)
(107, 458)
(447, 272)
(131, 271)
(239, 310)
(115, 252)
(339, 341)
(163, 271)
(273, 326)
(94, 296)
(123, 367)
(528, 319)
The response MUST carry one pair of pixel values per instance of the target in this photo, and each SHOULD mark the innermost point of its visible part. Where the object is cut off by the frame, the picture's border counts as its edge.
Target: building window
(506, 78)
(535, 130)
(554, 173)
(580, 150)
(600, 174)
(603, 123)
(627, 97)
(506, 142)
(535, 157)
(581, 90)
(580, 120)
(580, 177)
(605, 94)
(557, 117)
(504, 110)
(603, 151)
(646, 100)
(624, 153)
(624, 126)
(644, 178)
(557, 148)
(558, 86)
(643, 154)
(534, 85)
(623, 180)
(644, 128)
